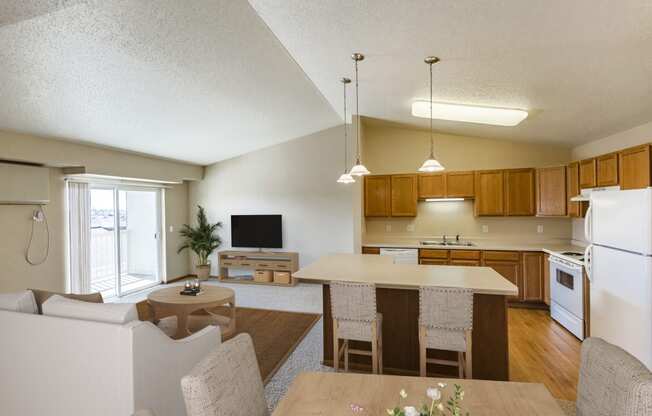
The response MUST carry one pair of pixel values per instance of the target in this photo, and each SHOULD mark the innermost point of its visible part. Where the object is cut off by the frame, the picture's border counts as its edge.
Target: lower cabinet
(533, 273)
(370, 250)
(435, 262)
(508, 266)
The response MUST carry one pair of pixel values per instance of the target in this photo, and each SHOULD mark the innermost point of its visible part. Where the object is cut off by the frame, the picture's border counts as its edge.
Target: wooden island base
(400, 309)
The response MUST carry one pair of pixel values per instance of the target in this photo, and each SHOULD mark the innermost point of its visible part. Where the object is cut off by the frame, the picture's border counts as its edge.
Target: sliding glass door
(125, 241)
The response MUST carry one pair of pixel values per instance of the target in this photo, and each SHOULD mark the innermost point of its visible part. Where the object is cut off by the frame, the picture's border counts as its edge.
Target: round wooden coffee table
(169, 302)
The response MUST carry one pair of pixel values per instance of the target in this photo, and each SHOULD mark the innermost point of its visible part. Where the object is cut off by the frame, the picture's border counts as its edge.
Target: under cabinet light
(469, 113)
(444, 199)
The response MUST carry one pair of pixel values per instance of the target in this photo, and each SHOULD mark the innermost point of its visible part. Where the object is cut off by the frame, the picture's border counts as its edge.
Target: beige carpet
(275, 333)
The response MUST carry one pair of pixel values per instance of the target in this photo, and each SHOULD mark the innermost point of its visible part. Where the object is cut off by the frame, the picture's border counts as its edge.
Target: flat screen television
(257, 231)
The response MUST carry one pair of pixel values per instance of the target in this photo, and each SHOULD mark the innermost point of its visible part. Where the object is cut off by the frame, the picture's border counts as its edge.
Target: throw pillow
(112, 313)
(22, 301)
(43, 295)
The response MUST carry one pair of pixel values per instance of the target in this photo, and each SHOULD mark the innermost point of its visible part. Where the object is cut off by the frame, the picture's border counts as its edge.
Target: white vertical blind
(79, 203)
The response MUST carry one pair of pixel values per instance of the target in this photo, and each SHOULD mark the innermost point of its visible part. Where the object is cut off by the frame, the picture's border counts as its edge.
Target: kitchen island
(397, 299)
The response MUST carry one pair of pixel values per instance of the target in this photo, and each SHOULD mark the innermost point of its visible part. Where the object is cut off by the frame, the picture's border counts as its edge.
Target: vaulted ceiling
(206, 80)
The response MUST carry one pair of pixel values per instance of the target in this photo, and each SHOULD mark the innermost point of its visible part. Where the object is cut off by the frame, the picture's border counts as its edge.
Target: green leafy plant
(201, 239)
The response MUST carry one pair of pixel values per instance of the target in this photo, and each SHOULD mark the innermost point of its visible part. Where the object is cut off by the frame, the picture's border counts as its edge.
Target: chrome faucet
(444, 239)
(457, 238)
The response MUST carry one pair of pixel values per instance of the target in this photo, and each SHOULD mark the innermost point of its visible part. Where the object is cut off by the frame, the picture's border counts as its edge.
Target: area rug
(276, 334)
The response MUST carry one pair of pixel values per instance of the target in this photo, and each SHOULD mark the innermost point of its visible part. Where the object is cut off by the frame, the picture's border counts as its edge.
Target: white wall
(621, 140)
(296, 179)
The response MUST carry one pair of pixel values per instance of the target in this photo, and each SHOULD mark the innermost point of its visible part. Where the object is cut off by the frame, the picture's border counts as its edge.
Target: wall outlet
(171, 228)
(388, 228)
(485, 228)
(540, 229)
(410, 227)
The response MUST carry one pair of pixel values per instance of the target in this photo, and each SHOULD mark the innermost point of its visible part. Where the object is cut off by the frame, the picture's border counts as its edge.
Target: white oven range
(567, 294)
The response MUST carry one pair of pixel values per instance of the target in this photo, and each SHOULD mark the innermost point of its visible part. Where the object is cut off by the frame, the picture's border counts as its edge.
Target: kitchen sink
(447, 243)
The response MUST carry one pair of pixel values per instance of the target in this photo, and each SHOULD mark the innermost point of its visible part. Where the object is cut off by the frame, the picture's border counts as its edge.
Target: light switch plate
(171, 228)
(485, 228)
(410, 227)
(540, 229)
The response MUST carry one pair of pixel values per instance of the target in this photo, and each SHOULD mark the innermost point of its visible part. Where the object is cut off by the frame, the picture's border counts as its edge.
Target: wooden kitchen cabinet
(533, 276)
(432, 253)
(575, 209)
(519, 192)
(460, 185)
(432, 185)
(634, 167)
(588, 174)
(507, 264)
(489, 193)
(546, 279)
(404, 194)
(607, 170)
(434, 262)
(370, 250)
(551, 191)
(377, 198)
(465, 258)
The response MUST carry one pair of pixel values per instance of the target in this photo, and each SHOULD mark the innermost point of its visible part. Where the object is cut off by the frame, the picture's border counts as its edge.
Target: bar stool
(353, 306)
(445, 323)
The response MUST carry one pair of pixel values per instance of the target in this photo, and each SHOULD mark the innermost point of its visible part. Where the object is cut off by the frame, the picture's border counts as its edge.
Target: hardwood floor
(542, 351)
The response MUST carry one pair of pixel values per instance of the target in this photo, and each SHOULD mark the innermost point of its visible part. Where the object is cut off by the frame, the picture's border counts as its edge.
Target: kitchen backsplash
(435, 219)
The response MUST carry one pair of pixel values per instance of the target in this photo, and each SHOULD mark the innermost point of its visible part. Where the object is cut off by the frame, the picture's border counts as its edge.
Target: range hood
(585, 194)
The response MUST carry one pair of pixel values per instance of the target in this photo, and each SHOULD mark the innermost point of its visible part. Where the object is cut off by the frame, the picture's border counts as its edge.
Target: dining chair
(226, 382)
(353, 307)
(612, 382)
(446, 323)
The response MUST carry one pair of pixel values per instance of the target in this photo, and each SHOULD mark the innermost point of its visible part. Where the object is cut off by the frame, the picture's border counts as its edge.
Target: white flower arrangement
(436, 407)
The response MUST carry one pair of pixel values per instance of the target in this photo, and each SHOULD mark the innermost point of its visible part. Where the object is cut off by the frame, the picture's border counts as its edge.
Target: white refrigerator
(619, 266)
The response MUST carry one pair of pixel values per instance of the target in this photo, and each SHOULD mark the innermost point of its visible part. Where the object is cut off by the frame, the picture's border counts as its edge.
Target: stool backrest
(612, 382)
(353, 301)
(446, 308)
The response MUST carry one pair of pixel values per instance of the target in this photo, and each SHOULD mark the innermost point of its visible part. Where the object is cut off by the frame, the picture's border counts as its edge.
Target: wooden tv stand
(286, 261)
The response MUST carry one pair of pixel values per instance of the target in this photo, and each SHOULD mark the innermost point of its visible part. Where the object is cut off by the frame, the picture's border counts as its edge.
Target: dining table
(351, 394)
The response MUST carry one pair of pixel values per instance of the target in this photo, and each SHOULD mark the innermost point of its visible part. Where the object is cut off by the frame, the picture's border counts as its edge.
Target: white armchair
(60, 366)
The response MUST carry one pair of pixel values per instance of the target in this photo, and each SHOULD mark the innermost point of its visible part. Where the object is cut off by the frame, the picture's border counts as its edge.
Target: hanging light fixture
(345, 177)
(431, 164)
(359, 169)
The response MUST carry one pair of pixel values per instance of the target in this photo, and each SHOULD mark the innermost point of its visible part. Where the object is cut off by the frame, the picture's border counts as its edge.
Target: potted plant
(202, 240)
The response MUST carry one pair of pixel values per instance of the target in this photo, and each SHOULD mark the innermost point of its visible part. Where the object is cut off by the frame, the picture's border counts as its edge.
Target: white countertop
(549, 247)
(382, 271)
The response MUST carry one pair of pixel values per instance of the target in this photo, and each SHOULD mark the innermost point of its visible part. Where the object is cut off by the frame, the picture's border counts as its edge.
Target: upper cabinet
(588, 174)
(489, 192)
(446, 185)
(634, 164)
(390, 195)
(607, 169)
(551, 191)
(519, 192)
(460, 185)
(377, 190)
(575, 209)
(404, 192)
(432, 185)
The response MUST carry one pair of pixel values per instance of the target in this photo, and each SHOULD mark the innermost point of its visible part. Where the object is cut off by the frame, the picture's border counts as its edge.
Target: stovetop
(572, 255)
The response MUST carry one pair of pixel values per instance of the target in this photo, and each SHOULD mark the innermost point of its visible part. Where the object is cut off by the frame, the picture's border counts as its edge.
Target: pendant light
(345, 177)
(359, 169)
(431, 164)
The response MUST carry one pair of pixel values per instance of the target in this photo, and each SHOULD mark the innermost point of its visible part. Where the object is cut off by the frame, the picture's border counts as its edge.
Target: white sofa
(60, 366)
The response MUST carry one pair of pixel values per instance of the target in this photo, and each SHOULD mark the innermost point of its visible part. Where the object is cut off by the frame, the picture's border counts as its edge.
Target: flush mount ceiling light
(469, 113)
(345, 177)
(431, 164)
(359, 169)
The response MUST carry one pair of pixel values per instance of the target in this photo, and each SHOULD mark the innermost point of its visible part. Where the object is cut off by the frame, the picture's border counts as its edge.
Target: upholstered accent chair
(353, 307)
(226, 382)
(612, 382)
(446, 323)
